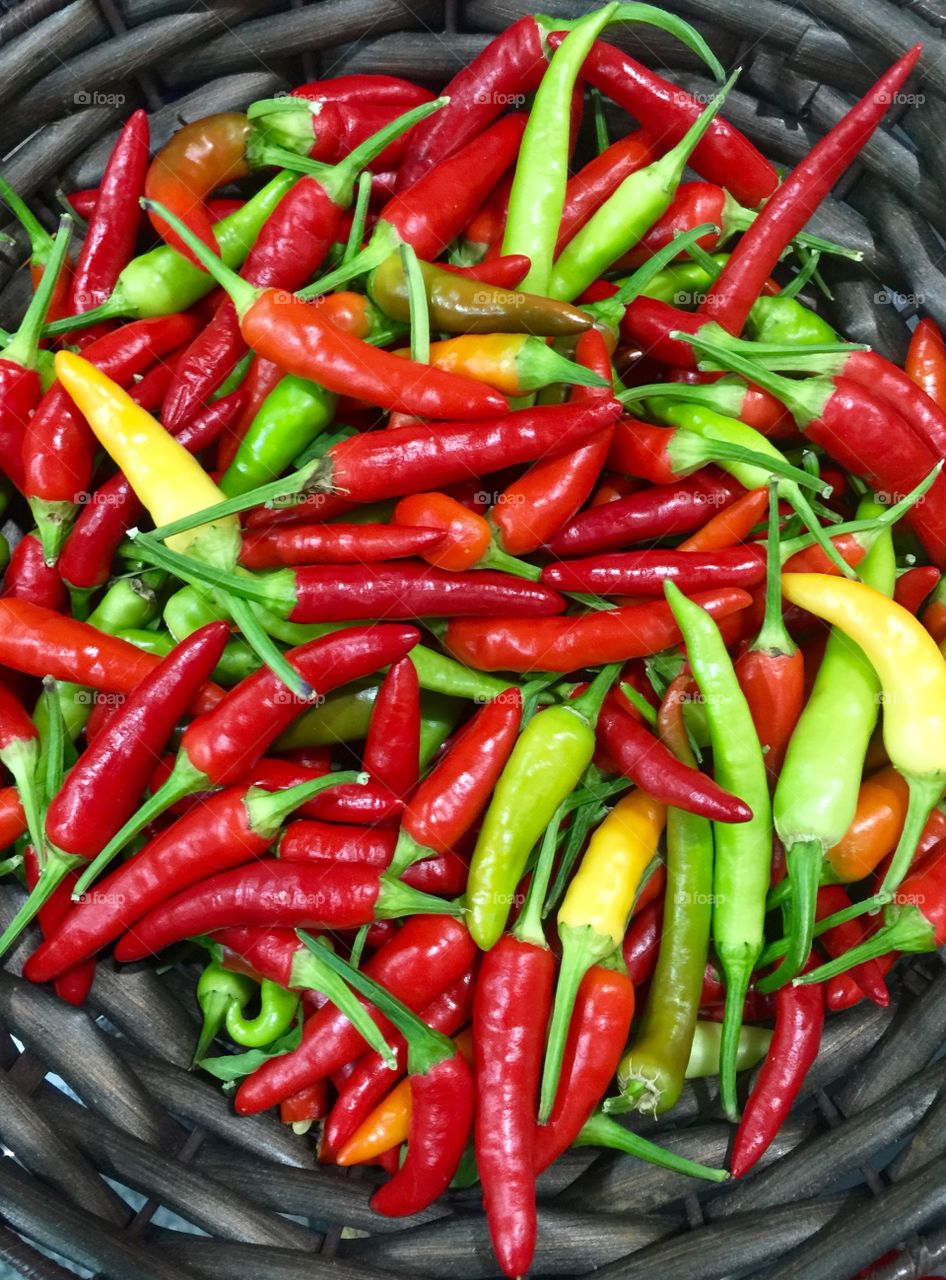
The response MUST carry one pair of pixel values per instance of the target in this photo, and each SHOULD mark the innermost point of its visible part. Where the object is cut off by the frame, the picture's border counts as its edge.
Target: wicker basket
(139, 1169)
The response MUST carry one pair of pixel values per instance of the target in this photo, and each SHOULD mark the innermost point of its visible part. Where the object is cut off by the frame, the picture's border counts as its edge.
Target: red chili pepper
(585, 640)
(915, 585)
(739, 284)
(868, 977)
(115, 221)
(59, 448)
(73, 987)
(483, 234)
(597, 1036)
(453, 795)
(433, 211)
(305, 1106)
(600, 177)
(230, 828)
(310, 840)
(84, 202)
(337, 544)
(643, 758)
(372, 1078)
(642, 943)
(643, 573)
(392, 747)
(511, 64)
(40, 642)
(354, 90)
(86, 559)
(926, 361)
(507, 271)
(658, 512)
(465, 539)
(29, 577)
(424, 957)
(799, 1019)
(724, 155)
(536, 506)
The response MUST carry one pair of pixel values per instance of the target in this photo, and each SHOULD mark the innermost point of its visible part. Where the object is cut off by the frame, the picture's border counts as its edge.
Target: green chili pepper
(217, 990)
(162, 281)
(343, 716)
(277, 1011)
(438, 719)
(752, 1044)
(782, 320)
(743, 850)
(546, 764)
(235, 377)
(652, 1071)
(441, 674)
(288, 420)
(236, 662)
(627, 215)
(817, 791)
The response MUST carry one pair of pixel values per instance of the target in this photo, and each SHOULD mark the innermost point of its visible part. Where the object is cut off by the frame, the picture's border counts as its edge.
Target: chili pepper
(912, 675)
(59, 447)
(261, 378)
(78, 825)
(593, 914)
(584, 640)
(914, 920)
(600, 177)
(19, 752)
(426, 956)
(227, 830)
(540, 502)
(371, 1078)
(216, 991)
(482, 235)
(512, 363)
(20, 382)
(915, 585)
(549, 757)
(114, 223)
(442, 1099)
(815, 799)
(868, 976)
(220, 748)
(163, 281)
(467, 305)
(793, 203)
(42, 247)
(744, 850)
(510, 1011)
(362, 89)
(876, 827)
(392, 747)
(724, 155)
(305, 1107)
(285, 328)
(627, 214)
(653, 767)
(336, 544)
(73, 987)
(506, 270)
(926, 361)
(468, 537)
(799, 1019)
(83, 202)
(658, 512)
(643, 573)
(28, 577)
(12, 817)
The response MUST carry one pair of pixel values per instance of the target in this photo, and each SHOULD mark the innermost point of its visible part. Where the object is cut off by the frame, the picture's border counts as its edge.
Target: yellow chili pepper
(172, 485)
(514, 363)
(593, 915)
(912, 674)
(168, 480)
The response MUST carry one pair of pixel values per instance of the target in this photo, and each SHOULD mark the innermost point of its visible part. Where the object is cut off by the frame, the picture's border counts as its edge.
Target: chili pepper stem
(23, 347)
(39, 238)
(214, 1009)
(528, 928)
(57, 866)
(267, 810)
(703, 449)
(925, 794)
(581, 948)
(773, 635)
(601, 1131)
(803, 863)
(241, 292)
(908, 930)
(495, 558)
(737, 969)
(775, 950)
(259, 640)
(53, 522)
(183, 781)
(21, 757)
(802, 507)
(406, 852)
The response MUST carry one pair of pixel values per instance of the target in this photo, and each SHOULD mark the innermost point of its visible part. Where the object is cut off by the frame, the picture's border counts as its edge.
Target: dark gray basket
(110, 1173)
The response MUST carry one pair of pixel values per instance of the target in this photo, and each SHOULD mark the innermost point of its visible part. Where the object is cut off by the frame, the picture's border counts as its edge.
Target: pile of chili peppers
(474, 599)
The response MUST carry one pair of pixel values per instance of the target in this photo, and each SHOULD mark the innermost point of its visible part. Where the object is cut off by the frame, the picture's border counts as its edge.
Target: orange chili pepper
(926, 361)
(878, 821)
(731, 526)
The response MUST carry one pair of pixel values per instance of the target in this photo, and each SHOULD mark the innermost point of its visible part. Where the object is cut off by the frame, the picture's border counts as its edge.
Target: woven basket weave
(139, 1168)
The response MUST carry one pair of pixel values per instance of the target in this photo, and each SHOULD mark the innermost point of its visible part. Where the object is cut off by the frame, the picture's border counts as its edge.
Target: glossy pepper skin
(28, 577)
(74, 986)
(426, 955)
(336, 544)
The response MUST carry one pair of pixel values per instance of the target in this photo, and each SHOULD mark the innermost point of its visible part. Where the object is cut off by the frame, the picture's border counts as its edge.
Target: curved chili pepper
(424, 957)
(915, 585)
(799, 1019)
(392, 748)
(792, 204)
(73, 987)
(868, 977)
(217, 989)
(597, 1034)
(115, 221)
(583, 640)
(653, 767)
(371, 1078)
(337, 544)
(227, 830)
(221, 748)
(59, 447)
(724, 155)
(28, 577)
(744, 850)
(658, 512)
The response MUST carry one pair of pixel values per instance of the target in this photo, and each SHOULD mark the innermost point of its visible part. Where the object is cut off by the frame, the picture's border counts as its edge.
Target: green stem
(803, 863)
(259, 640)
(802, 507)
(241, 292)
(267, 810)
(904, 929)
(737, 975)
(21, 757)
(264, 494)
(610, 310)
(640, 703)
(23, 347)
(54, 871)
(417, 303)
(795, 286)
(925, 794)
(588, 704)
(601, 1131)
(528, 928)
(312, 972)
(773, 637)
(41, 242)
(581, 948)
(360, 216)
(775, 950)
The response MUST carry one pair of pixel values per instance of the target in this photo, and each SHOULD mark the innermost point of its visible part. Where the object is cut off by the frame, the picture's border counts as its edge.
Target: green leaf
(230, 1067)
